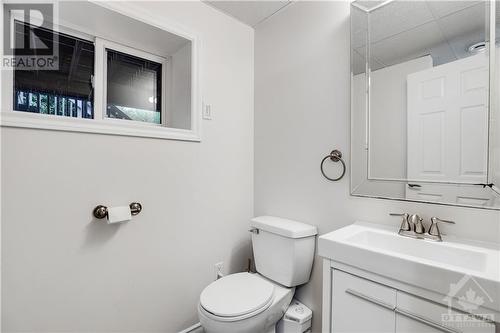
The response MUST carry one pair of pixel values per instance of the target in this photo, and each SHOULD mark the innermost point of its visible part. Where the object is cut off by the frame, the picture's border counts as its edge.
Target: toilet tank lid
(283, 227)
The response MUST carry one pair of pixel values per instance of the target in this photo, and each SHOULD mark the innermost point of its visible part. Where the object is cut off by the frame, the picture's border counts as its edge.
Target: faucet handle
(434, 229)
(405, 224)
(435, 220)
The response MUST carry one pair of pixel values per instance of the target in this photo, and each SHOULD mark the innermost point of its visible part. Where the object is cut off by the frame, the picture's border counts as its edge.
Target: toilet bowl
(243, 303)
(254, 302)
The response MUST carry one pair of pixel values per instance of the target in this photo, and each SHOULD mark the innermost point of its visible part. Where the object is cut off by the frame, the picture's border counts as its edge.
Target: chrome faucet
(412, 226)
(418, 226)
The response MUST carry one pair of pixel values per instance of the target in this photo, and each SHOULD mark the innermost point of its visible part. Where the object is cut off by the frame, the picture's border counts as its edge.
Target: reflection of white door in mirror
(448, 122)
(466, 195)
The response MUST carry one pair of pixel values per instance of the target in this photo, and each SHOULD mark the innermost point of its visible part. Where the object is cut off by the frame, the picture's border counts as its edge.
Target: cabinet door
(360, 305)
(416, 315)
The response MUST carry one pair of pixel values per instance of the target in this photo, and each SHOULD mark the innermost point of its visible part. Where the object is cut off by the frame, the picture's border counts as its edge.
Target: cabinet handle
(410, 315)
(426, 321)
(371, 299)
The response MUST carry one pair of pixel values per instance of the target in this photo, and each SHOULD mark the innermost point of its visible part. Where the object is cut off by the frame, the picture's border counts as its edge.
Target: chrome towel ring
(335, 156)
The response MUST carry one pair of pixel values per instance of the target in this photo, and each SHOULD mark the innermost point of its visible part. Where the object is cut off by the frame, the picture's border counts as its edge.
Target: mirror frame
(490, 29)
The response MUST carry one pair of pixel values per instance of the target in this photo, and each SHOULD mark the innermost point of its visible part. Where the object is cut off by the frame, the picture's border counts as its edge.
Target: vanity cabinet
(361, 305)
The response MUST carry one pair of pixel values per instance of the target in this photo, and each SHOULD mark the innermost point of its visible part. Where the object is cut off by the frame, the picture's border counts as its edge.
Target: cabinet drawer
(418, 315)
(357, 286)
(360, 305)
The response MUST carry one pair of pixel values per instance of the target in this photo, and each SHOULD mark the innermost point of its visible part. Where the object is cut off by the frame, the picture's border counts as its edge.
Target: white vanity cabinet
(358, 304)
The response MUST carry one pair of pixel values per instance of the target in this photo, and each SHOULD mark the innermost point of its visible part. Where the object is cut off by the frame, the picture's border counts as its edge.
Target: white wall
(64, 271)
(179, 114)
(387, 129)
(301, 114)
(388, 118)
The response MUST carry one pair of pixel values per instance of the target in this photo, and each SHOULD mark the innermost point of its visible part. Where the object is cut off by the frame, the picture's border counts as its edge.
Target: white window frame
(101, 78)
(101, 123)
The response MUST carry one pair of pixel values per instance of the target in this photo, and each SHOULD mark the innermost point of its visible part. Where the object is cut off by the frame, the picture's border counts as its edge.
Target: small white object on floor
(297, 319)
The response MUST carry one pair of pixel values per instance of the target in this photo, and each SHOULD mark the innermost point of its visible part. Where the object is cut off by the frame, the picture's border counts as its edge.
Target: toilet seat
(237, 296)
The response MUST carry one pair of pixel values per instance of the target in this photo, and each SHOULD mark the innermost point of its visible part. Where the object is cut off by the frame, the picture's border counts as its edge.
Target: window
(64, 92)
(134, 87)
(108, 80)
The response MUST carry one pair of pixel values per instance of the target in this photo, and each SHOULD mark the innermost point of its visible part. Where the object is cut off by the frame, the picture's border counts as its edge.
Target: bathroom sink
(422, 263)
(441, 253)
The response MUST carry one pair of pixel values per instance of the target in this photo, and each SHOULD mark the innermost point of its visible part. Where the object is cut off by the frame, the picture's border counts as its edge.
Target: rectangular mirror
(423, 120)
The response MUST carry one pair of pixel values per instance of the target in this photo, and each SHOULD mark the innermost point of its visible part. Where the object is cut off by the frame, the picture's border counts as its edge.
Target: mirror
(424, 124)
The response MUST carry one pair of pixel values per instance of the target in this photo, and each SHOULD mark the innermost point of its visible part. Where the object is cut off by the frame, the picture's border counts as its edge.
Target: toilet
(254, 302)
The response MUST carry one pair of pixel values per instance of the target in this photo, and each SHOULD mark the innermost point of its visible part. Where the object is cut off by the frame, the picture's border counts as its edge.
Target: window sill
(68, 124)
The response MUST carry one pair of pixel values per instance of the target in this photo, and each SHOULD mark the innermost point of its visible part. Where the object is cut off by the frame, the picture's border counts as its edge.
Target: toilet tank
(283, 249)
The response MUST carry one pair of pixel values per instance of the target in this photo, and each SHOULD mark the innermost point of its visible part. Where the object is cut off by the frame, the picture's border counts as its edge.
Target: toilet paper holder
(101, 211)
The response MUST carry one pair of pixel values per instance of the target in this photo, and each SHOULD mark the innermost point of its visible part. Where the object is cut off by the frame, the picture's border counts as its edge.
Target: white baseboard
(196, 328)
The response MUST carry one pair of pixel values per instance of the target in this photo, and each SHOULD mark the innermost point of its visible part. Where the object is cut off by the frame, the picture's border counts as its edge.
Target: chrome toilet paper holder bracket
(101, 211)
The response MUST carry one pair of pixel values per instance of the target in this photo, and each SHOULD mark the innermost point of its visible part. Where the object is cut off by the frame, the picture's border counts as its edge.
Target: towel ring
(335, 156)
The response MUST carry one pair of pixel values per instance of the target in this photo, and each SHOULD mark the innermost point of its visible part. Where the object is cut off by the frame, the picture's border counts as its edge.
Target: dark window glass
(133, 88)
(56, 92)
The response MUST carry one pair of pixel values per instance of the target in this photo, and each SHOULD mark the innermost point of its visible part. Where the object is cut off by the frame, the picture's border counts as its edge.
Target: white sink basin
(466, 257)
(426, 264)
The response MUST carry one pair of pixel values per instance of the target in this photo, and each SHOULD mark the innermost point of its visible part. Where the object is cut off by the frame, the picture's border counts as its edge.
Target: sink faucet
(412, 226)
(418, 226)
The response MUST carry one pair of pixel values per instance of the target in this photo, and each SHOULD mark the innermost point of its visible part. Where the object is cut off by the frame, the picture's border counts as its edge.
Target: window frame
(101, 47)
(101, 124)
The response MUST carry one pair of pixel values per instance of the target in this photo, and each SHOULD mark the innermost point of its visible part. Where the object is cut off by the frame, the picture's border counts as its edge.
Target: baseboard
(196, 328)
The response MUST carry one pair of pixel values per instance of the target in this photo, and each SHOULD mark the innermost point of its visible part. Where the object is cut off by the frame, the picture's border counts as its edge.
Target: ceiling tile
(396, 17)
(464, 28)
(359, 62)
(464, 22)
(249, 12)
(443, 8)
(408, 45)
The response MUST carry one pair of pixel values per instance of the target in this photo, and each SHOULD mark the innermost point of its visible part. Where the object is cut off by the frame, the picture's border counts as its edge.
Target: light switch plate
(207, 112)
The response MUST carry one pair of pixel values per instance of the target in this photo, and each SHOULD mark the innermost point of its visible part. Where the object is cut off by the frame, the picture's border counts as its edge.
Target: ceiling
(405, 30)
(249, 12)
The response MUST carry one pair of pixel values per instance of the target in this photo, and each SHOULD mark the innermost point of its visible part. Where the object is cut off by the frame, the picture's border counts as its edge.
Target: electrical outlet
(219, 267)
(207, 112)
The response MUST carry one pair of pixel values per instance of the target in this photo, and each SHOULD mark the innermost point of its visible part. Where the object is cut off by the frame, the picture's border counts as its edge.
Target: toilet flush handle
(254, 230)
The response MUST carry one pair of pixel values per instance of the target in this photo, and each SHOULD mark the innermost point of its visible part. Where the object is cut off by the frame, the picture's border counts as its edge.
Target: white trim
(138, 13)
(107, 44)
(191, 328)
(101, 124)
(2, 83)
(492, 98)
(326, 326)
(102, 48)
(69, 124)
(99, 79)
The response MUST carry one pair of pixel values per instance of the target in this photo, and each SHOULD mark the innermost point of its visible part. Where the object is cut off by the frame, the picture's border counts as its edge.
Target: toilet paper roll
(119, 214)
